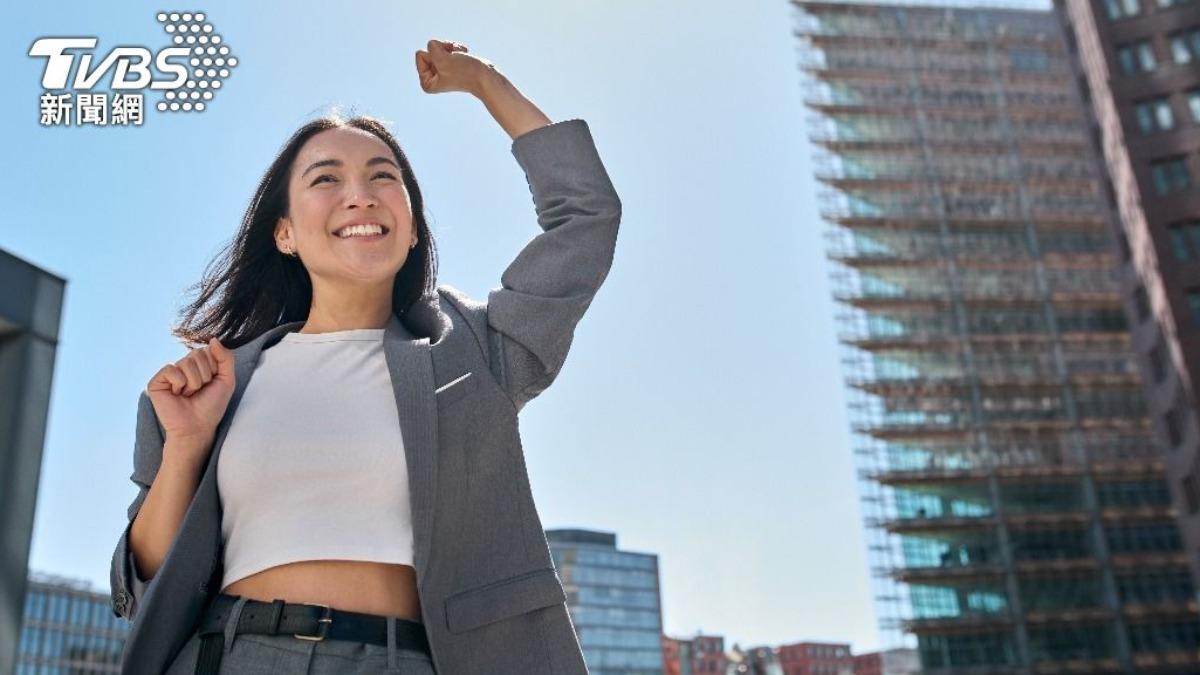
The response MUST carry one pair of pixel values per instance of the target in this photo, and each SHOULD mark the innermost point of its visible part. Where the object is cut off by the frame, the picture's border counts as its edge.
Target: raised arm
(531, 317)
(544, 292)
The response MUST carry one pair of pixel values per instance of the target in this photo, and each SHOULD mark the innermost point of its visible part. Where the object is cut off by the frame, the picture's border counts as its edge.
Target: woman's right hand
(445, 65)
(190, 397)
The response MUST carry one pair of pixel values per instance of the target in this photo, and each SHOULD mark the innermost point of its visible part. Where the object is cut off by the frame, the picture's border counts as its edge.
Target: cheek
(313, 210)
(398, 204)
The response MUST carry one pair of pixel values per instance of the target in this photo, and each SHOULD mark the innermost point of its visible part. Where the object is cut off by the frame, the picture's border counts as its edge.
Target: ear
(283, 234)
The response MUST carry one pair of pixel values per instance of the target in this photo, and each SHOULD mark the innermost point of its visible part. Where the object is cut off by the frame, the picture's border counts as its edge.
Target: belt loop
(235, 615)
(208, 661)
(276, 614)
(393, 661)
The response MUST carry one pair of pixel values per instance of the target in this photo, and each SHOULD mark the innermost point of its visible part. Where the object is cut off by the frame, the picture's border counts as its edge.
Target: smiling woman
(343, 489)
(335, 236)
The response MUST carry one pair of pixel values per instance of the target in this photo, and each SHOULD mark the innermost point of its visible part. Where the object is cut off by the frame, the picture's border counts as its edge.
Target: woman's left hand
(447, 66)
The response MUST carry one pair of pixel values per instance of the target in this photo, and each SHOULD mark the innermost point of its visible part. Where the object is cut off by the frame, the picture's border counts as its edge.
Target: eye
(325, 175)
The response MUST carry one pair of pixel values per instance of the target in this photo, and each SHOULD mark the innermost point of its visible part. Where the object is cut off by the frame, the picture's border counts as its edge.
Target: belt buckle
(323, 622)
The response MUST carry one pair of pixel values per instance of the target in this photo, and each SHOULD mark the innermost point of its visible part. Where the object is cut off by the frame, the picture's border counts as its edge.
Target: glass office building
(614, 600)
(1012, 488)
(68, 628)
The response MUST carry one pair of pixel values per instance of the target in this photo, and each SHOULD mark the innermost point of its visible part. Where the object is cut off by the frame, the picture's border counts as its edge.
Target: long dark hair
(257, 288)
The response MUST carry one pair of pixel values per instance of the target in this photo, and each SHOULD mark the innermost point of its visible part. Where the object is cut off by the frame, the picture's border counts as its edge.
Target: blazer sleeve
(127, 586)
(544, 292)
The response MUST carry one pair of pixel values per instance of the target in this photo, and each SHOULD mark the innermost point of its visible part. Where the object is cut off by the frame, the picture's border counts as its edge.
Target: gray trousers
(254, 654)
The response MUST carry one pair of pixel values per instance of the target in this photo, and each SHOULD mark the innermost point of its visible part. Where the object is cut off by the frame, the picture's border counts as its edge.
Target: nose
(361, 195)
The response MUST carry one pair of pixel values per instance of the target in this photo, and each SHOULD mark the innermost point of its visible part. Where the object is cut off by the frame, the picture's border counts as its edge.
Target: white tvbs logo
(197, 65)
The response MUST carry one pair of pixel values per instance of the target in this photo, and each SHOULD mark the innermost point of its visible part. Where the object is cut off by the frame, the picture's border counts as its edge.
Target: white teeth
(355, 230)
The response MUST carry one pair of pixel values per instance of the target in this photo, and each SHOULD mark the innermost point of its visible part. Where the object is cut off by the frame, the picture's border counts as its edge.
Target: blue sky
(700, 414)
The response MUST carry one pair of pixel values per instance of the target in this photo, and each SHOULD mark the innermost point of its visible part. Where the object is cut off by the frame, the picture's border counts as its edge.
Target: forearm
(158, 521)
(511, 109)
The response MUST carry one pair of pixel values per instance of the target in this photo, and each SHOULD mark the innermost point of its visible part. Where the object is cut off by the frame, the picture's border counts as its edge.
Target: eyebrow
(337, 162)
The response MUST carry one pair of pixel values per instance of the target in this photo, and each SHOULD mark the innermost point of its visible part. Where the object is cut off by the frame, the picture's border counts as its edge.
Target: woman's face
(341, 176)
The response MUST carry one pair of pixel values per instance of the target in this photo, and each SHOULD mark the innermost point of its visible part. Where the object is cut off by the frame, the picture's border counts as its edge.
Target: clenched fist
(190, 396)
(446, 66)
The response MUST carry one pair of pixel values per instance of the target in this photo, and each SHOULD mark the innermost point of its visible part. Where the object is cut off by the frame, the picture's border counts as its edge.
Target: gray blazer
(462, 370)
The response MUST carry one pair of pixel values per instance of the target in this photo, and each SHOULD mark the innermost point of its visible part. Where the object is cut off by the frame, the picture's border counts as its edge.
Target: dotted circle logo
(210, 63)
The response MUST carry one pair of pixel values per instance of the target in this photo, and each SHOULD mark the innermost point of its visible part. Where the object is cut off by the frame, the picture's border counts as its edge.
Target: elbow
(613, 207)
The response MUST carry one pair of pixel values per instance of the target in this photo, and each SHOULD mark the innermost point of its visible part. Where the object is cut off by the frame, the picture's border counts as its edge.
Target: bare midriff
(386, 589)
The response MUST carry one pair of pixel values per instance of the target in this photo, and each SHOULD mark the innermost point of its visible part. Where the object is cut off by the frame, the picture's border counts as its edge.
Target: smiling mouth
(363, 236)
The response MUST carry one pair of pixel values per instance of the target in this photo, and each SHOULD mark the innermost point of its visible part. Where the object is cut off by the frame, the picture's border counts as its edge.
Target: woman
(336, 552)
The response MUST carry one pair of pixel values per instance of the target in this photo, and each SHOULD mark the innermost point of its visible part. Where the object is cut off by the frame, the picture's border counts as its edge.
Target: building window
(1029, 60)
(1185, 47)
(1170, 175)
(1154, 115)
(1193, 300)
(1137, 58)
(1179, 244)
(1193, 230)
(1185, 239)
(1193, 99)
(1119, 9)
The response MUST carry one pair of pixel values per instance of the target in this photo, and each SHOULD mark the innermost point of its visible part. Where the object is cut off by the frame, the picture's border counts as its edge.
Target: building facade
(816, 658)
(694, 656)
(677, 656)
(68, 627)
(1011, 482)
(1139, 67)
(614, 600)
(760, 660)
(898, 661)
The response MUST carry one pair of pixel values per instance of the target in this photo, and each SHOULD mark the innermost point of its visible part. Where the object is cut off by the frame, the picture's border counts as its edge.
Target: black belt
(300, 620)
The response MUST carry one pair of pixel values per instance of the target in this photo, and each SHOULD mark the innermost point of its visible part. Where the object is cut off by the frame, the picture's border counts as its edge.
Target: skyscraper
(1138, 64)
(1011, 484)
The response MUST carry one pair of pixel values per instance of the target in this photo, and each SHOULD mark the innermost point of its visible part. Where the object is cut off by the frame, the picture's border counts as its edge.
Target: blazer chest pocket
(502, 599)
(456, 388)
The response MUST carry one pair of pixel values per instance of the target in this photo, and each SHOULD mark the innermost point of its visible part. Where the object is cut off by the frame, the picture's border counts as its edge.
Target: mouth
(359, 232)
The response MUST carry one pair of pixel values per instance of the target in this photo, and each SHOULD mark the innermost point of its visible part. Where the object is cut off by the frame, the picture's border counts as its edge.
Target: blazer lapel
(410, 366)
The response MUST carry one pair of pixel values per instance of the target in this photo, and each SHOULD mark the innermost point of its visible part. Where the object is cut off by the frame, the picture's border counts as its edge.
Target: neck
(337, 309)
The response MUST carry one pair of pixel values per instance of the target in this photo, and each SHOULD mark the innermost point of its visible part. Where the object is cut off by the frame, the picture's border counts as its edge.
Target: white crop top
(313, 465)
